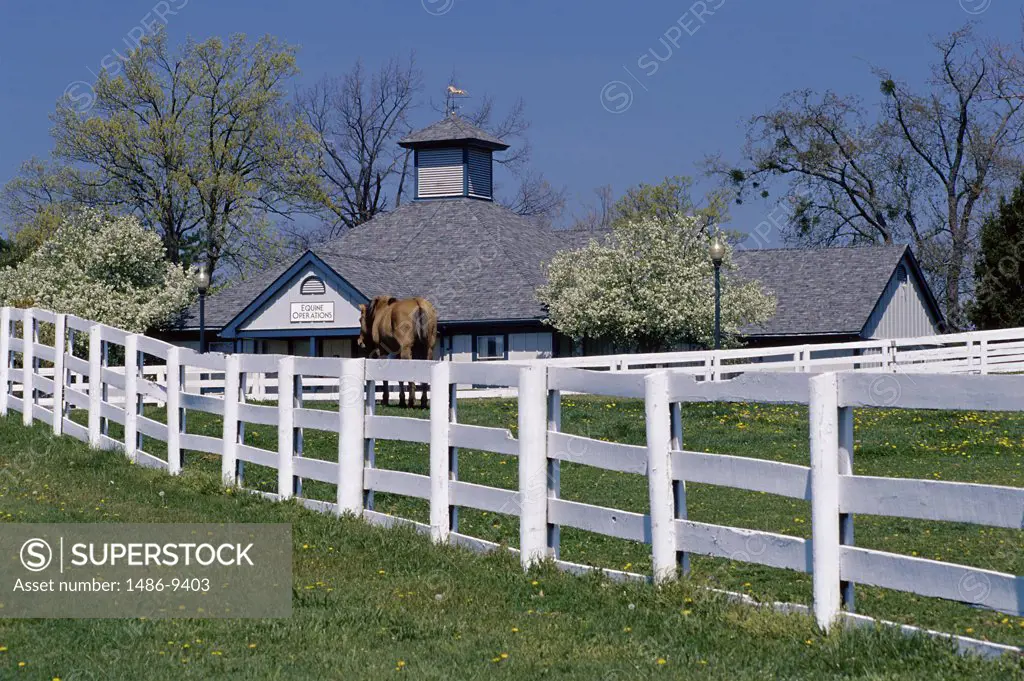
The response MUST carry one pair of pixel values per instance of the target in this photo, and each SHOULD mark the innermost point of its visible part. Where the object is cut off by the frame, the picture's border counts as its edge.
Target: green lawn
(367, 598)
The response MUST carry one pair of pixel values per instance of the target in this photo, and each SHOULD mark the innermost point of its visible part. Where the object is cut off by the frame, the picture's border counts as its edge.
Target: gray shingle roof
(453, 129)
(819, 291)
(474, 260)
(478, 261)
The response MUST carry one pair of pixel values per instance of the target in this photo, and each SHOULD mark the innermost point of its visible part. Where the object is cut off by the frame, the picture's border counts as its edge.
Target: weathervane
(451, 95)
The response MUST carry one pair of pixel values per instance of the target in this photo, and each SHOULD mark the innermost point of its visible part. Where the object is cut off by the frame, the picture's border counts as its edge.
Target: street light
(717, 252)
(203, 285)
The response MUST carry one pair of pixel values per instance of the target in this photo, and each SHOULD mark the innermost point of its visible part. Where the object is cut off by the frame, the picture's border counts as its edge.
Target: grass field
(371, 602)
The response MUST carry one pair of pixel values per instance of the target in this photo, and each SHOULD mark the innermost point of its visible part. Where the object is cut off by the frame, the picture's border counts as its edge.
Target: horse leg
(385, 397)
(406, 353)
(429, 355)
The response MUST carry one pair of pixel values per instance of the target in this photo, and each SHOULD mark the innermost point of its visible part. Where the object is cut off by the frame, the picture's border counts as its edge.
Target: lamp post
(203, 285)
(717, 252)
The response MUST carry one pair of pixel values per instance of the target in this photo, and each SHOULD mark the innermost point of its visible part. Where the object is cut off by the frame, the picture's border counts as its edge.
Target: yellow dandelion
(662, 660)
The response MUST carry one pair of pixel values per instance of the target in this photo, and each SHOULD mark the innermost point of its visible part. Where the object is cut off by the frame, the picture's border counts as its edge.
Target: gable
(308, 296)
(904, 309)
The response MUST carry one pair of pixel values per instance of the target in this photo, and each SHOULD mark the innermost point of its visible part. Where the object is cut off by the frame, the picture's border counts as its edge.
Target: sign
(312, 312)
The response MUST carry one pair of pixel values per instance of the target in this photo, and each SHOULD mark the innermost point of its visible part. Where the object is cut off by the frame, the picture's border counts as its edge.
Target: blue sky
(572, 61)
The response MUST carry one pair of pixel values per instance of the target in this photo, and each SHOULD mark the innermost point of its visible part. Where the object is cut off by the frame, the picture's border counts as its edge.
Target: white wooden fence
(976, 352)
(836, 495)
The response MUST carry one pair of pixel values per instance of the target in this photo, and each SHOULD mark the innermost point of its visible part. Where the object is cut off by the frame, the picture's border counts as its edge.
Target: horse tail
(420, 321)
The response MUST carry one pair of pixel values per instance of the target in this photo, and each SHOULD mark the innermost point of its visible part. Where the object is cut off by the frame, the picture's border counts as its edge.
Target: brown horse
(407, 328)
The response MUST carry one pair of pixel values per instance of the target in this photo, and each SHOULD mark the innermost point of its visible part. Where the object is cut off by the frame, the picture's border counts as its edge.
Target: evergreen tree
(999, 270)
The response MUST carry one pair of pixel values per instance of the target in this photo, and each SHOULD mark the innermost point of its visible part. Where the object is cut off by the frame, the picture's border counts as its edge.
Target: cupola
(453, 159)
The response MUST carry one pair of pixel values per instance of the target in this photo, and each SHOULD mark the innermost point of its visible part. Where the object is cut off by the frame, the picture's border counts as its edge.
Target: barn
(834, 295)
(480, 264)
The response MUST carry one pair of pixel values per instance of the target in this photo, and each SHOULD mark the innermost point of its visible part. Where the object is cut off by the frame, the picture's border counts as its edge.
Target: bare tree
(357, 120)
(597, 217)
(923, 170)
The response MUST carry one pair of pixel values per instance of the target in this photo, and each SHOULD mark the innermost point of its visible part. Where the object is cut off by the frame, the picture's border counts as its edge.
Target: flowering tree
(108, 270)
(649, 286)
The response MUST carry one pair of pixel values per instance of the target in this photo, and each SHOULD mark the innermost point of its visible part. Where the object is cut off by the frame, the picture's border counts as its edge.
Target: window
(901, 275)
(312, 286)
(490, 347)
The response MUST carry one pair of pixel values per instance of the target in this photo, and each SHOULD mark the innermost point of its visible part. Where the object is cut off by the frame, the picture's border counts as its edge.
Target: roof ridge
(817, 249)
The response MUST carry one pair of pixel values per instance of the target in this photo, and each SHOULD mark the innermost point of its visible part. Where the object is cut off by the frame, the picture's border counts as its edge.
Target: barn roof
(475, 260)
(824, 291)
(452, 128)
(478, 261)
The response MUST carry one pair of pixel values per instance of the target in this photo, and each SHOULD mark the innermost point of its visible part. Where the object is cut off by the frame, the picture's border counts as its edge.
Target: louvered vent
(901, 274)
(312, 286)
(480, 174)
(440, 172)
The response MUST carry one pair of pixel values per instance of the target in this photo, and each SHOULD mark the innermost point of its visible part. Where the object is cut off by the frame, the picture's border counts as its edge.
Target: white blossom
(105, 269)
(649, 286)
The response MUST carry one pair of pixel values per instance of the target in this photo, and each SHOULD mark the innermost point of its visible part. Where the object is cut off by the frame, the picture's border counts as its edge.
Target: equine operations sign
(312, 312)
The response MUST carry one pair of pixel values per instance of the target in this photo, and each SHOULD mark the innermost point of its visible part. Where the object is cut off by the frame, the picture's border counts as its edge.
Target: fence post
(659, 476)
(285, 427)
(369, 445)
(824, 446)
(554, 470)
(28, 353)
(229, 450)
(131, 396)
(5, 358)
(174, 416)
(350, 436)
(533, 465)
(60, 346)
(440, 454)
(679, 486)
(453, 452)
(845, 467)
(95, 383)
(983, 357)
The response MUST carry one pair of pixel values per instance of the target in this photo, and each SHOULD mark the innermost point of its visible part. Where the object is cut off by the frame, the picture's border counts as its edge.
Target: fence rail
(46, 381)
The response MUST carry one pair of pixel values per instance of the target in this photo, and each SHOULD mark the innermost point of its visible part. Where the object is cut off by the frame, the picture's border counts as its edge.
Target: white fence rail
(150, 369)
(976, 352)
